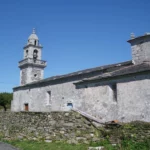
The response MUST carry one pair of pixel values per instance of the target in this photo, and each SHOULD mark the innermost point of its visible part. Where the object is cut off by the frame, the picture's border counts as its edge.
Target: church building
(112, 92)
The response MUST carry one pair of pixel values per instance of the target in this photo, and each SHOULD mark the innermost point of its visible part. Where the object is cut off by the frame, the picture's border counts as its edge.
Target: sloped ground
(137, 131)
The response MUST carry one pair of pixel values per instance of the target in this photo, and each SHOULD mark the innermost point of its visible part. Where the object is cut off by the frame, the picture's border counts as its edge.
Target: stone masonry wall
(55, 126)
(68, 127)
(132, 98)
(140, 50)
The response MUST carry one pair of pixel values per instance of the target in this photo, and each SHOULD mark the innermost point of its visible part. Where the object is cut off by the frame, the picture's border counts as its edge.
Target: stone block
(96, 148)
(68, 124)
(48, 141)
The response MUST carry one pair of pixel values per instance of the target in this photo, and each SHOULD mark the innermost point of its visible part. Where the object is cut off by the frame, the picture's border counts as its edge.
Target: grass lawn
(32, 145)
(125, 145)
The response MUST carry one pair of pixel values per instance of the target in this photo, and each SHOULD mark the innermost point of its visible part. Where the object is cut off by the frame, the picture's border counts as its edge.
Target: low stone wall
(136, 131)
(69, 127)
(55, 126)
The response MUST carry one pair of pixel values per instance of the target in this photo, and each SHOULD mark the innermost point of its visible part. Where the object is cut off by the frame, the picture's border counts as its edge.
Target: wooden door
(26, 107)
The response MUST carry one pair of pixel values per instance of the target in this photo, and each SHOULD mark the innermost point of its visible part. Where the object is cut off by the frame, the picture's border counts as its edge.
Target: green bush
(5, 100)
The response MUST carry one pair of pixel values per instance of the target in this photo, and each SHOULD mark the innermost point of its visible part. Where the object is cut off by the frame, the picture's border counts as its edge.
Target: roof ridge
(145, 66)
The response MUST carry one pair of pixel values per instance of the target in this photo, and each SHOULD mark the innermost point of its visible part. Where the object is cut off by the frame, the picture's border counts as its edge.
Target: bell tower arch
(32, 67)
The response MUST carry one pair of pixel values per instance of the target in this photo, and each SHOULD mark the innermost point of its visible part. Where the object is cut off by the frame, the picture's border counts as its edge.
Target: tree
(5, 99)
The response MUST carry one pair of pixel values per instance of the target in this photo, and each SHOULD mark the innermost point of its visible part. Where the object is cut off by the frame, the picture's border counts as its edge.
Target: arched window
(35, 54)
(35, 42)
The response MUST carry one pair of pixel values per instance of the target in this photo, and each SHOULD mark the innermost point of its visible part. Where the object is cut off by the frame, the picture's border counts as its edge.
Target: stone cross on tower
(32, 67)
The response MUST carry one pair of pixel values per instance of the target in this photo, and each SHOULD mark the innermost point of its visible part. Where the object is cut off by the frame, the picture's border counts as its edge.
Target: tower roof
(33, 36)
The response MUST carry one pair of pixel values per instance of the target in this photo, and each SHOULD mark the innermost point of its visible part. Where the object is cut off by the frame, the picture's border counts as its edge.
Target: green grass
(32, 145)
(124, 145)
(132, 145)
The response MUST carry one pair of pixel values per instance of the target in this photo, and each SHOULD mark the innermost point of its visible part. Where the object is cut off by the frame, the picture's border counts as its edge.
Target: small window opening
(70, 105)
(26, 107)
(35, 75)
(35, 42)
(35, 54)
(114, 90)
(26, 53)
(49, 97)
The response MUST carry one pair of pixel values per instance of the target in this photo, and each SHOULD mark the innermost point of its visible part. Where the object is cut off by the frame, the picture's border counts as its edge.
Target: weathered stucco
(140, 49)
(96, 99)
(62, 93)
(132, 100)
(39, 99)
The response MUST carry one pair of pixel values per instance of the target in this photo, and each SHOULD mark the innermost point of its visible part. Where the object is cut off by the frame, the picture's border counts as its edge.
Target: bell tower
(32, 67)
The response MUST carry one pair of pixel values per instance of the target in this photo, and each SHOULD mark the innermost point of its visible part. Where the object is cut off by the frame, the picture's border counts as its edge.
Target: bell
(34, 55)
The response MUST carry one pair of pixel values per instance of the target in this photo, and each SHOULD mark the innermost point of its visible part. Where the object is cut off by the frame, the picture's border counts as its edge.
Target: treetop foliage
(5, 99)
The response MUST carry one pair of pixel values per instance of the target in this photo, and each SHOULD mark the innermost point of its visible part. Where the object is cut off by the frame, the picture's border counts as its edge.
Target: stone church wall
(39, 99)
(132, 102)
(132, 98)
(98, 102)
(97, 99)
(54, 95)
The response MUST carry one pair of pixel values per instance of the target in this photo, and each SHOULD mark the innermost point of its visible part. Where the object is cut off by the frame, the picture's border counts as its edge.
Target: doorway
(26, 107)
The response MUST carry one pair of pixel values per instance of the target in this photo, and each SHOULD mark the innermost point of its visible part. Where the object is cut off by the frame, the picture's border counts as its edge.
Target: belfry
(32, 67)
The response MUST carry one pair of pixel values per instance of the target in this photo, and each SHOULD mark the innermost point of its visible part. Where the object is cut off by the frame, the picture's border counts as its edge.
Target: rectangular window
(70, 105)
(49, 97)
(114, 91)
(26, 107)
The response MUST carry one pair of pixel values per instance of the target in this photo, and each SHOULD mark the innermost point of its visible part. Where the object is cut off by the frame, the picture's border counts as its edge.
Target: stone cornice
(31, 61)
(30, 45)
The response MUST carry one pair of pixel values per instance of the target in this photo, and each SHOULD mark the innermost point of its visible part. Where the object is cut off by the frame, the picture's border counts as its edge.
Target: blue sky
(75, 34)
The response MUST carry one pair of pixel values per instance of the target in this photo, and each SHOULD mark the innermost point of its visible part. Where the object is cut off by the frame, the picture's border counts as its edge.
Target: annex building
(118, 91)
